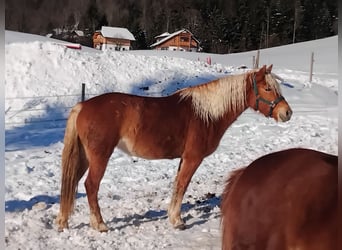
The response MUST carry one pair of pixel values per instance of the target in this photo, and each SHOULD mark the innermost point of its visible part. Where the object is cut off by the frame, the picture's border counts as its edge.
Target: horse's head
(266, 97)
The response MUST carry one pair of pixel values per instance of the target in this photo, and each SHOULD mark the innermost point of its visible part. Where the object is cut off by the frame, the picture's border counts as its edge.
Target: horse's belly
(145, 150)
(126, 146)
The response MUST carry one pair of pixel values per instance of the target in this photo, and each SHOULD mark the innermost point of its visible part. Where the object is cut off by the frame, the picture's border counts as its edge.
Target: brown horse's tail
(73, 167)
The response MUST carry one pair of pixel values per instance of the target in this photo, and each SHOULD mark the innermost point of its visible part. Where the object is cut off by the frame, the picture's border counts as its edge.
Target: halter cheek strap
(271, 104)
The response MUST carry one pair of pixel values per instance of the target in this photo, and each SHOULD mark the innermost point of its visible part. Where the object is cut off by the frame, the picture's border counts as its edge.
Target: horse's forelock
(271, 80)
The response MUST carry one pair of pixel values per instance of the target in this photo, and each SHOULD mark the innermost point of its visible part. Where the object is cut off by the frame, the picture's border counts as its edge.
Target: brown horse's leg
(97, 167)
(185, 172)
(84, 164)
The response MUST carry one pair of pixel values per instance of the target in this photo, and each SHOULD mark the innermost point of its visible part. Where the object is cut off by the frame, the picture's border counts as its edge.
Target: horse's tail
(73, 167)
(227, 216)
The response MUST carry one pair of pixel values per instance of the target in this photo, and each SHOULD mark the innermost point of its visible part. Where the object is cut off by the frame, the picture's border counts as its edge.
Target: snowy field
(43, 80)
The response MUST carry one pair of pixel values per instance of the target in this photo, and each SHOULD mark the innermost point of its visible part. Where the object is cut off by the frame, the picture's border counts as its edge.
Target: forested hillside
(221, 26)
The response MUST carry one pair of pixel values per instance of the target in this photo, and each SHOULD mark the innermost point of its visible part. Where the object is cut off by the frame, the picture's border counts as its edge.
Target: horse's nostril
(288, 113)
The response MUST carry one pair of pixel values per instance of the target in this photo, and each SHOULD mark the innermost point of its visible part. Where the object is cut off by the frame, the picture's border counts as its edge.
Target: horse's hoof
(180, 226)
(101, 227)
(62, 223)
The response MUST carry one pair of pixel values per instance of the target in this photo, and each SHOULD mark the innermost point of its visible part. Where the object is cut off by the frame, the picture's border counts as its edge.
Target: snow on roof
(163, 35)
(79, 32)
(115, 32)
(172, 35)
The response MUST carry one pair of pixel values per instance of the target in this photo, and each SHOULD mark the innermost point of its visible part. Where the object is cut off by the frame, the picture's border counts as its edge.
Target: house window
(184, 39)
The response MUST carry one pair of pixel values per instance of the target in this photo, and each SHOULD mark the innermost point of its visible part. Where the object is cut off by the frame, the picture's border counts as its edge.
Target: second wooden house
(181, 40)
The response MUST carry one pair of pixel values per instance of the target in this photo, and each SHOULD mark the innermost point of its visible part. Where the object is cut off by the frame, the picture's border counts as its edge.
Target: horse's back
(284, 200)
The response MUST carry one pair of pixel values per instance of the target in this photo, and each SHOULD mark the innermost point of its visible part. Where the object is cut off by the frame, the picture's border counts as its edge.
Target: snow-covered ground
(43, 80)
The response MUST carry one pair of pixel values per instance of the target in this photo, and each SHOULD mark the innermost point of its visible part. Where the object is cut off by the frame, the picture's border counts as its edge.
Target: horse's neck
(230, 117)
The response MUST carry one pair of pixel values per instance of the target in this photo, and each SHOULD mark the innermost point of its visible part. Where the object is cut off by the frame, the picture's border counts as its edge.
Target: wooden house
(113, 38)
(182, 40)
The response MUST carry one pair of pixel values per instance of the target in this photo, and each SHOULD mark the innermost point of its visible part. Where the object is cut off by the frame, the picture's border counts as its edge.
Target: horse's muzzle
(284, 114)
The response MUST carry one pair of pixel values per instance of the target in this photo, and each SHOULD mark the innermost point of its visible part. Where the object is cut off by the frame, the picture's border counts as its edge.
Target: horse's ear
(262, 70)
(269, 68)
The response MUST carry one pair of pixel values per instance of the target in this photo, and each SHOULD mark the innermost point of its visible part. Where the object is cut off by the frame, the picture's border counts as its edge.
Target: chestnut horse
(187, 124)
(284, 200)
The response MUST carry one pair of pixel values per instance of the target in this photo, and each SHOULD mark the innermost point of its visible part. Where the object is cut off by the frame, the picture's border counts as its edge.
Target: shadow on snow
(205, 206)
(37, 131)
(21, 205)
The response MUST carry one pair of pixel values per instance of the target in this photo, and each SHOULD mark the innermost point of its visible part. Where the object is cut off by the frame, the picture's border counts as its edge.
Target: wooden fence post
(83, 92)
(256, 64)
(311, 66)
(209, 60)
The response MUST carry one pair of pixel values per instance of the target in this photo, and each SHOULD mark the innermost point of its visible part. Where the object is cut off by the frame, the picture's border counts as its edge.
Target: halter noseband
(271, 104)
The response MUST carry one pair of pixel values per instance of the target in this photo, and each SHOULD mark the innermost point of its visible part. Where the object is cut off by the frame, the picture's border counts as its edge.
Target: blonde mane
(212, 100)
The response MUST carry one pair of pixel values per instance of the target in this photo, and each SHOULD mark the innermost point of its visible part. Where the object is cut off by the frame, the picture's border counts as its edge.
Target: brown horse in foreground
(188, 125)
(284, 200)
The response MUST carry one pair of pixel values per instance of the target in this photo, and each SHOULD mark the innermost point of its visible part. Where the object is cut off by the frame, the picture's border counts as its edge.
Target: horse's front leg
(186, 170)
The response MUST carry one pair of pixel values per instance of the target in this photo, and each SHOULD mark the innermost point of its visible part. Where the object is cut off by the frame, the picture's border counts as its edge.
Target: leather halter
(271, 104)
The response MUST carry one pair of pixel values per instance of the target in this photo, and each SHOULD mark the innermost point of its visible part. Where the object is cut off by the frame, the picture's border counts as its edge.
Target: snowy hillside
(43, 80)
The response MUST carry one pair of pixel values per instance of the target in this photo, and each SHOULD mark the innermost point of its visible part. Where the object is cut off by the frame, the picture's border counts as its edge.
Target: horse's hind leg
(185, 172)
(83, 164)
(97, 167)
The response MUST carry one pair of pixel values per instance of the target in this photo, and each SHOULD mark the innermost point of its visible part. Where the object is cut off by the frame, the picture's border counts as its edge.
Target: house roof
(173, 35)
(115, 32)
